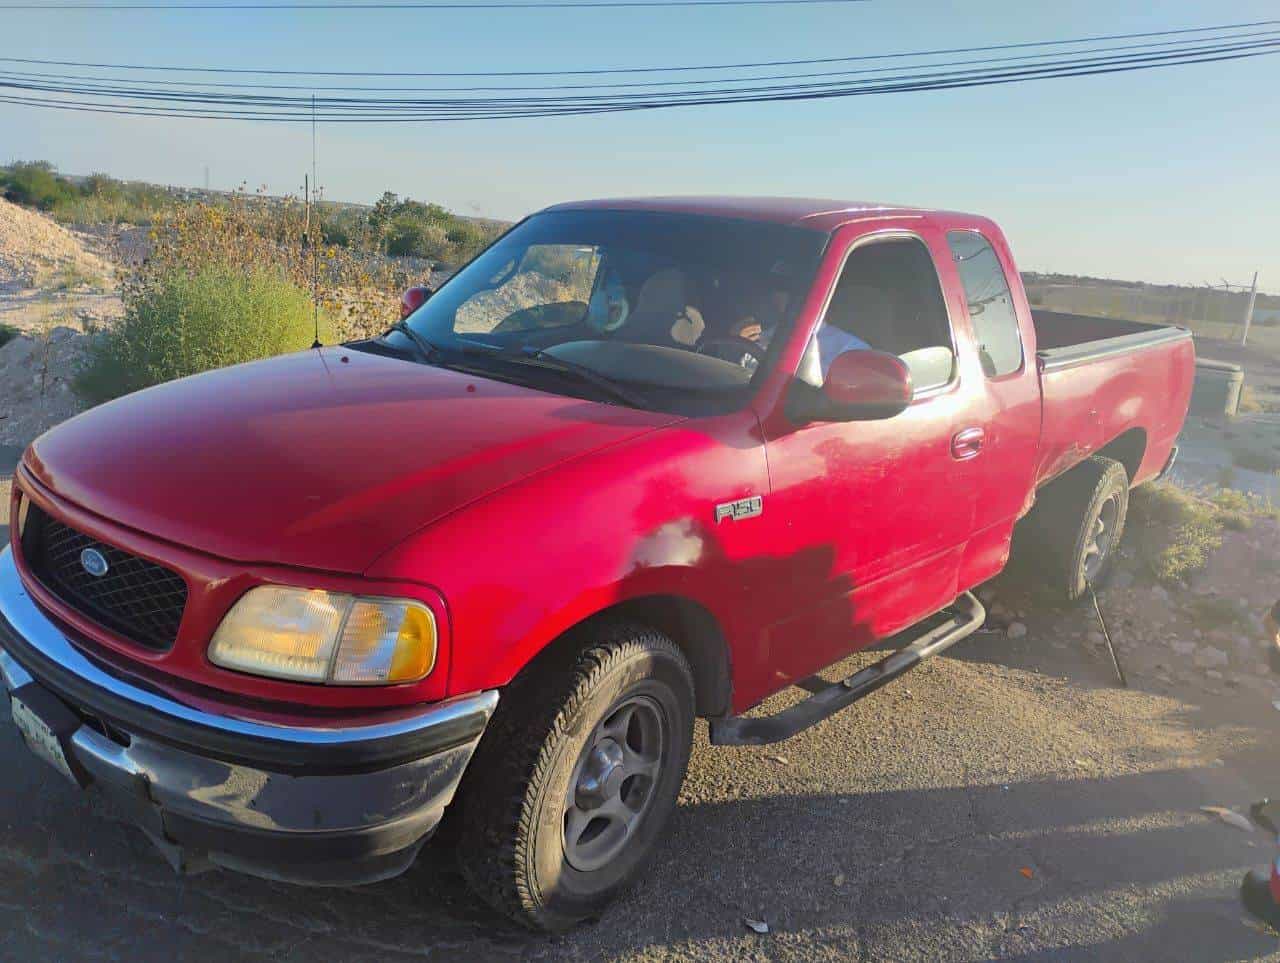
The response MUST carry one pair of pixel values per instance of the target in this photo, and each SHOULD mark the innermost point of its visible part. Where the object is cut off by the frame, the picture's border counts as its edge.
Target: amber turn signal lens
(317, 636)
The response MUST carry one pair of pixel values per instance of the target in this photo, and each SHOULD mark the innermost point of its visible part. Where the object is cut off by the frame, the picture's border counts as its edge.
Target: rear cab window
(990, 303)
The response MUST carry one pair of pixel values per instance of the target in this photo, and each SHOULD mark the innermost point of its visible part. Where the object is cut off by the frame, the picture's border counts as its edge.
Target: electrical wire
(250, 102)
(416, 5)
(98, 80)
(434, 112)
(646, 70)
(735, 88)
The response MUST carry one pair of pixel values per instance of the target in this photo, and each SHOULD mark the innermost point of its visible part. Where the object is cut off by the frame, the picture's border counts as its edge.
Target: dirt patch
(36, 373)
(1206, 633)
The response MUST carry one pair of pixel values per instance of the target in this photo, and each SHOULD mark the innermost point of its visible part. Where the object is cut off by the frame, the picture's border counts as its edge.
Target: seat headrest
(662, 294)
(860, 309)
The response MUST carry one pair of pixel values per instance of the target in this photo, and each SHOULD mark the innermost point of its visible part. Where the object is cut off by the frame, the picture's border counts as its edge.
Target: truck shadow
(847, 870)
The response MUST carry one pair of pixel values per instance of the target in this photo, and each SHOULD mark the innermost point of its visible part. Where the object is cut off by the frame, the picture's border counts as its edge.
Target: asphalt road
(1003, 802)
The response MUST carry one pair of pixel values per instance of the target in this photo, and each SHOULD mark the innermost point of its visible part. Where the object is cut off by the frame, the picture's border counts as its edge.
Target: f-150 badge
(742, 508)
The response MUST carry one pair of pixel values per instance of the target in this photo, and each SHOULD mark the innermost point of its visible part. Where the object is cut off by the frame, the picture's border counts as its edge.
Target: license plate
(40, 738)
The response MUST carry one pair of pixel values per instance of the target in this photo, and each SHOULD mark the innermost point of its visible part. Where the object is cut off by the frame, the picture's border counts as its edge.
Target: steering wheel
(738, 346)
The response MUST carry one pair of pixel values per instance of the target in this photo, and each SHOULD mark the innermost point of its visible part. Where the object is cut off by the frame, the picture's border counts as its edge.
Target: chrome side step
(829, 698)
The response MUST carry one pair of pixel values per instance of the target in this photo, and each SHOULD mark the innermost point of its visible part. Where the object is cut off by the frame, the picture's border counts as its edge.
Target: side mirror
(412, 299)
(860, 386)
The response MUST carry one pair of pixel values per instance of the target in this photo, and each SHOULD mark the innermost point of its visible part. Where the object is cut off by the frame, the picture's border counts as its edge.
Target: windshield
(666, 306)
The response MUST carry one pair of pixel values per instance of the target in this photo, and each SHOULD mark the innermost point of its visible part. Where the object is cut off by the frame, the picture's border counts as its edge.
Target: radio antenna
(315, 251)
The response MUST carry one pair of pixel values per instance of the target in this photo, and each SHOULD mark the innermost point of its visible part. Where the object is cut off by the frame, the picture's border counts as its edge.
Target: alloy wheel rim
(613, 783)
(1101, 539)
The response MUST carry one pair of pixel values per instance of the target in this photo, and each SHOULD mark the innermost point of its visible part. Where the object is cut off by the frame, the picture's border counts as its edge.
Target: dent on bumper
(311, 804)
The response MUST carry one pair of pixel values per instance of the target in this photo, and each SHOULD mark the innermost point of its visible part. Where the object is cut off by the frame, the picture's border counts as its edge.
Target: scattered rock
(1160, 593)
(1182, 648)
(756, 926)
(1017, 630)
(1207, 657)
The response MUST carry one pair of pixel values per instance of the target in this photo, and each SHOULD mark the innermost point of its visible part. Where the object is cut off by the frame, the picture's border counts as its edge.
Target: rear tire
(576, 777)
(1072, 535)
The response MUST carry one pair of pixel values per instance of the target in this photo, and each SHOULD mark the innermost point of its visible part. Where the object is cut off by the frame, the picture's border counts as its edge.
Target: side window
(888, 298)
(995, 323)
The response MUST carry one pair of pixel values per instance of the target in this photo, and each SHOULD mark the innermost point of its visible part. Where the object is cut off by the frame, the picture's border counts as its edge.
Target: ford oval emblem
(94, 562)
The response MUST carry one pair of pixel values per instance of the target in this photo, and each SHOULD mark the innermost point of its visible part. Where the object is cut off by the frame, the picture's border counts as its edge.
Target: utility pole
(1248, 311)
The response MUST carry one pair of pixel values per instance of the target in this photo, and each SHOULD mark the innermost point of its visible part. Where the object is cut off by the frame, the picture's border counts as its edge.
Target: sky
(1169, 175)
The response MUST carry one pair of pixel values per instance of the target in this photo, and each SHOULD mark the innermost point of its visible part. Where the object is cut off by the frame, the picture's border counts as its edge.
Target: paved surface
(1007, 802)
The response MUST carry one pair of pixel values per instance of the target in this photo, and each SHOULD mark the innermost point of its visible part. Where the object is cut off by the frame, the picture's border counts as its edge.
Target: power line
(648, 70)
(270, 107)
(677, 97)
(418, 5)
(99, 80)
(355, 110)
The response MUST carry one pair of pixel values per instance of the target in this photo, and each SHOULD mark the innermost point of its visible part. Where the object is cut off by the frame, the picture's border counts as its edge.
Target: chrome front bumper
(318, 804)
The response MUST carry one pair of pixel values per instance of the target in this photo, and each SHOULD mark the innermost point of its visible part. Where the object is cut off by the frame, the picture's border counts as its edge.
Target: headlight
(317, 636)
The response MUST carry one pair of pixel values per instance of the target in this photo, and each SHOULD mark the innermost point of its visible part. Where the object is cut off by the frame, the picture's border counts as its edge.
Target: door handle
(967, 444)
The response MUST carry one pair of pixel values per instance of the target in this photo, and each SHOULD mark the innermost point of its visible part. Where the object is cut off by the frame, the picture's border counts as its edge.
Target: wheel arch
(687, 622)
(1128, 448)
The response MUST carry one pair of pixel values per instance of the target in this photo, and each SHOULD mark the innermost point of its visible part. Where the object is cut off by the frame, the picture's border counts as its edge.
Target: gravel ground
(1004, 802)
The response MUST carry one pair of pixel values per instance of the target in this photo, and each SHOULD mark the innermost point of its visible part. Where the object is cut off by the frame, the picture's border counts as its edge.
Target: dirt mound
(36, 251)
(35, 383)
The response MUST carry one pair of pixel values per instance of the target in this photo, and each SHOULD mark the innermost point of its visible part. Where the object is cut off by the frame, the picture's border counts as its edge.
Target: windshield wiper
(537, 358)
(425, 350)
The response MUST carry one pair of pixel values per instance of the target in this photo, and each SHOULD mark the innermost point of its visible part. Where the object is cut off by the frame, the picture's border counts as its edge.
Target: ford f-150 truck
(640, 461)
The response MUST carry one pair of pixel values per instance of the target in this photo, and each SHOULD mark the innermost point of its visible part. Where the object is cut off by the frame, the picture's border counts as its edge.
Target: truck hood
(322, 459)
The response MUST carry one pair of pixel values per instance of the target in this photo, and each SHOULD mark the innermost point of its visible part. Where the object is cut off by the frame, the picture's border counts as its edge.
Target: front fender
(522, 566)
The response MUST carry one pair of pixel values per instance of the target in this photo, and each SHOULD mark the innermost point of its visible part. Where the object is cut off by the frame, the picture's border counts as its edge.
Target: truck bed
(1104, 378)
(1063, 339)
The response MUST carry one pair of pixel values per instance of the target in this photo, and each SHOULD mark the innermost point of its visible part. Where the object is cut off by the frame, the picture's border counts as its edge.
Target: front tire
(576, 777)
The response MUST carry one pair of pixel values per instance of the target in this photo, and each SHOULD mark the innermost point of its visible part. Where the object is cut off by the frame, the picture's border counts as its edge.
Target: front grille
(135, 598)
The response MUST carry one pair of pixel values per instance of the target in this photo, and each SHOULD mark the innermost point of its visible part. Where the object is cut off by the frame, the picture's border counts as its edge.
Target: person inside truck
(834, 336)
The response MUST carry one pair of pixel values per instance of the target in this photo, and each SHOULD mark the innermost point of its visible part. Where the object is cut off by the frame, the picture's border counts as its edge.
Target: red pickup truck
(640, 461)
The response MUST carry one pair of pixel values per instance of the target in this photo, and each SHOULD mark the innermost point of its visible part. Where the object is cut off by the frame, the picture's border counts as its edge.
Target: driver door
(876, 514)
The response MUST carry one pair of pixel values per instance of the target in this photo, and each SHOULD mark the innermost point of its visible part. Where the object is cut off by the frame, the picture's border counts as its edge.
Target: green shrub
(35, 184)
(1235, 520)
(182, 324)
(7, 333)
(1177, 531)
(1211, 613)
(1228, 499)
(416, 237)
